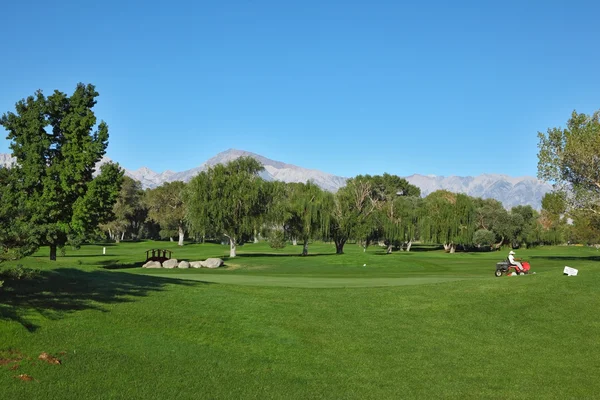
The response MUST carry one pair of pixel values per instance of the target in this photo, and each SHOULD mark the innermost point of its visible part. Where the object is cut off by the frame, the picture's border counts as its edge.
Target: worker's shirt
(511, 258)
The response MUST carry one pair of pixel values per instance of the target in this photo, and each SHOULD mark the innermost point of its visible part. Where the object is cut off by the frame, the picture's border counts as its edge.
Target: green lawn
(275, 325)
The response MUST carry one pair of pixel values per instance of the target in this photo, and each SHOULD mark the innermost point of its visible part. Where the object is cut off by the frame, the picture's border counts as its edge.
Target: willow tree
(353, 210)
(398, 204)
(308, 212)
(226, 200)
(402, 216)
(57, 145)
(448, 219)
(166, 207)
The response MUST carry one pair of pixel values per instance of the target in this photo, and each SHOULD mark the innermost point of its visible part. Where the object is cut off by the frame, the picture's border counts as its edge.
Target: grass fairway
(274, 325)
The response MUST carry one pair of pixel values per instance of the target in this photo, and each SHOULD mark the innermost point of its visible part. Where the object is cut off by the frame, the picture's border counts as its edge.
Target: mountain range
(510, 191)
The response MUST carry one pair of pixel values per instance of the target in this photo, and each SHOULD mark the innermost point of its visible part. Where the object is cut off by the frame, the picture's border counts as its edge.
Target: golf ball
(364, 265)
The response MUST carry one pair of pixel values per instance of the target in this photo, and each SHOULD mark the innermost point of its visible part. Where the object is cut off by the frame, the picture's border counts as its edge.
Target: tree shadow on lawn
(112, 264)
(249, 255)
(59, 292)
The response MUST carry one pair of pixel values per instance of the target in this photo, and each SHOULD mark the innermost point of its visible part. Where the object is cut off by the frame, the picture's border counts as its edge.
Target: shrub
(277, 240)
(19, 273)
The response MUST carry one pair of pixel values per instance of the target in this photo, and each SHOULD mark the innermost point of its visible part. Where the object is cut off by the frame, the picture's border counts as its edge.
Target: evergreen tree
(52, 182)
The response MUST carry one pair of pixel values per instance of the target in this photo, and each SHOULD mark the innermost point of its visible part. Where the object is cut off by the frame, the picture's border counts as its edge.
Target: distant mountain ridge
(510, 191)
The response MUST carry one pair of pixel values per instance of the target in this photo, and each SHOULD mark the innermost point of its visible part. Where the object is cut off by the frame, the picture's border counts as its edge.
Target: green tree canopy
(552, 218)
(129, 211)
(397, 214)
(353, 211)
(308, 212)
(491, 216)
(166, 206)
(449, 219)
(570, 158)
(226, 200)
(56, 151)
(484, 238)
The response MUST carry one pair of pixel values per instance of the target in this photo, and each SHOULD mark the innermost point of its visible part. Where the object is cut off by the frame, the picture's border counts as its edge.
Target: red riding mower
(504, 267)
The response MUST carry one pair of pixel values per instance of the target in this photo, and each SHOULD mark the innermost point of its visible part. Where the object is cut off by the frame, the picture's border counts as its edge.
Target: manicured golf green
(271, 324)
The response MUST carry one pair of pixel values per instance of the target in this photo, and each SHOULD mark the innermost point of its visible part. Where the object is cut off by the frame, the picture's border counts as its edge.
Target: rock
(196, 264)
(183, 264)
(152, 264)
(170, 263)
(212, 263)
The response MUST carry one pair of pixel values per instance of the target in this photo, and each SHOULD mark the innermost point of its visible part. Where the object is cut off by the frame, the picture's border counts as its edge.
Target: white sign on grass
(570, 271)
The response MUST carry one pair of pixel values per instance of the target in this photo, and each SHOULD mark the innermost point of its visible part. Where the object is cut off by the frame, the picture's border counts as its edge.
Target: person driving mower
(513, 261)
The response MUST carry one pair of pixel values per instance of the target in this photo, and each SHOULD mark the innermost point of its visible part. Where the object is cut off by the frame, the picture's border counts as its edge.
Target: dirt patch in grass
(10, 357)
(24, 377)
(232, 267)
(49, 359)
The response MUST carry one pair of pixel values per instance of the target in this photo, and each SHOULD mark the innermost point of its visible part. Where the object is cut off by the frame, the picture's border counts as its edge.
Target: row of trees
(231, 201)
(54, 196)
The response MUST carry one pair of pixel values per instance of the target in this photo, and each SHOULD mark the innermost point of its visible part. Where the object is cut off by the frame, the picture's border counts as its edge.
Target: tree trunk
(497, 245)
(171, 239)
(255, 236)
(122, 235)
(408, 244)
(181, 235)
(117, 237)
(110, 234)
(294, 241)
(339, 246)
(446, 247)
(52, 252)
(232, 253)
(305, 248)
(390, 248)
(452, 248)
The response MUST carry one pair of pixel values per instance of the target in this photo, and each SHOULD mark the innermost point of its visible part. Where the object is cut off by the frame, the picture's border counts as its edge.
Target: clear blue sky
(347, 87)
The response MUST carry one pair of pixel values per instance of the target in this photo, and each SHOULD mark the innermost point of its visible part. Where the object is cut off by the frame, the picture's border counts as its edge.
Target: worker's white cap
(512, 253)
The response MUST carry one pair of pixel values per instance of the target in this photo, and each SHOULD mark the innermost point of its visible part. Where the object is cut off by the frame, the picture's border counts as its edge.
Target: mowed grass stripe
(305, 282)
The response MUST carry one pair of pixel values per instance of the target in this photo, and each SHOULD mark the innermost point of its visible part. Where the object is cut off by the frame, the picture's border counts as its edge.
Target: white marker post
(104, 250)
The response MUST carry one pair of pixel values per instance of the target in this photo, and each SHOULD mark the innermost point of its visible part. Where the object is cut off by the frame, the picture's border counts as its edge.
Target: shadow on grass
(111, 264)
(249, 255)
(59, 292)
(384, 253)
(422, 248)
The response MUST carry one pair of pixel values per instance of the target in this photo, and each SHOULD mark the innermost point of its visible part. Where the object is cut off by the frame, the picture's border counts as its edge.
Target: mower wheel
(498, 272)
(521, 273)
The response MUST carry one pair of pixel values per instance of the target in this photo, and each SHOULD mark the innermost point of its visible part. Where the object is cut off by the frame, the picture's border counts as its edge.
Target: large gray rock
(183, 264)
(196, 264)
(212, 263)
(152, 264)
(170, 263)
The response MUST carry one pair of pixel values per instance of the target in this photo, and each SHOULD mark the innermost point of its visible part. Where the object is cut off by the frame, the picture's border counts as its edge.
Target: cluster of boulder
(173, 263)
